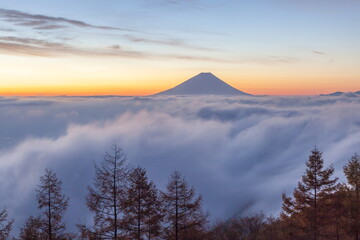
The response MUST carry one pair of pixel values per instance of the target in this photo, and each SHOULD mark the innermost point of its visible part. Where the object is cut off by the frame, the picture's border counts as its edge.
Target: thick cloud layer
(240, 153)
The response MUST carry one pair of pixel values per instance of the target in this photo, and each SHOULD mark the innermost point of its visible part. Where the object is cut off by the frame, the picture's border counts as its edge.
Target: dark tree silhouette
(32, 229)
(5, 224)
(319, 209)
(106, 197)
(126, 205)
(352, 173)
(142, 211)
(307, 209)
(52, 204)
(337, 211)
(240, 228)
(183, 212)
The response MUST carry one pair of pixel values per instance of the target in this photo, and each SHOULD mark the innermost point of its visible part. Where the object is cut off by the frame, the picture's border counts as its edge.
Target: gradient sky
(141, 47)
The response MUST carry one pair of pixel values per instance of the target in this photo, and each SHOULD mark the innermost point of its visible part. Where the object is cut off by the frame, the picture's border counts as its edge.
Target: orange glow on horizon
(134, 90)
(79, 76)
(138, 83)
(71, 91)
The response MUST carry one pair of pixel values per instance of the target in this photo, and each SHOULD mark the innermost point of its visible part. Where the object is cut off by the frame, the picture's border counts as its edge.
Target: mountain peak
(342, 94)
(204, 83)
(206, 73)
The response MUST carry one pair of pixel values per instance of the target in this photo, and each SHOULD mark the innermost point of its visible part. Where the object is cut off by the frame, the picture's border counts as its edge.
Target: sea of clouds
(240, 153)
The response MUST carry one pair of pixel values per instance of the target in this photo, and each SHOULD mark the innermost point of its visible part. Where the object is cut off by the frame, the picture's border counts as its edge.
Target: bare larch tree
(106, 197)
(352, 173)
(32, 229)
(52, 204)
(143, 212)
(183, 210)
(5, 224)
(311, 197)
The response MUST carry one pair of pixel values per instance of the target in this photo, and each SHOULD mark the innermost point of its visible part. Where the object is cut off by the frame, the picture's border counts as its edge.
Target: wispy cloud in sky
(318, 52)
(41, 48)
(169, 42)
(30, 41)
(249, 42)
(49, 48)
(45, 22)
(44, 48)
(194, 4)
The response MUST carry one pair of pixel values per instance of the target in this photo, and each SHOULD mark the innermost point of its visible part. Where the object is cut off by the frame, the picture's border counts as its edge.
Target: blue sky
(250, 43)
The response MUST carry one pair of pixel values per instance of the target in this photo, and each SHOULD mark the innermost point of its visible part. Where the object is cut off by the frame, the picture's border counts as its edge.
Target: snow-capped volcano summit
(203, 84)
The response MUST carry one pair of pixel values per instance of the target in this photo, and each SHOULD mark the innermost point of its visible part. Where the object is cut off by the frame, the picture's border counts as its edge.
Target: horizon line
(155, 95)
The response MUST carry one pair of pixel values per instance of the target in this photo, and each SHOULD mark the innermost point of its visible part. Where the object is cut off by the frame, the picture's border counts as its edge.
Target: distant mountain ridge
(342, 94)
(203, 84)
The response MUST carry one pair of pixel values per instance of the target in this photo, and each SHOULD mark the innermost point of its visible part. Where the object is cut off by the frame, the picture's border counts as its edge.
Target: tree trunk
(176, 213)
(357, 213)
(315, 204)
(115, 207)
(139, 216)
(49, 214)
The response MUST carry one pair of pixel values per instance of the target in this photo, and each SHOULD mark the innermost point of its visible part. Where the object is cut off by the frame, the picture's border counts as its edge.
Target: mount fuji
(203, 84)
